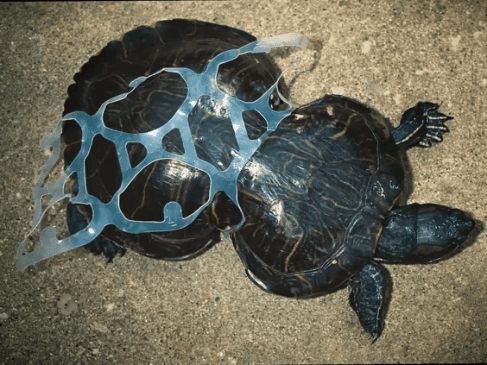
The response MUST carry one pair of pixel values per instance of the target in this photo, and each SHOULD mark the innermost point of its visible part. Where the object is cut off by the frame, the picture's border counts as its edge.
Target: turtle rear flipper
(421, 125)
(77, 222)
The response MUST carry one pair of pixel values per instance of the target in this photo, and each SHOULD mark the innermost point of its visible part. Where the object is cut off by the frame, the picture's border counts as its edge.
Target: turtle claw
(108, 249)
(77, 221)
(421, 125)
(434, 122)
(369, 297)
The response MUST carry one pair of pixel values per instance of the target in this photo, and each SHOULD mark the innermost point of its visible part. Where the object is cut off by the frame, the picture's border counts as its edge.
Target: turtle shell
(143, 51)
(315, 195)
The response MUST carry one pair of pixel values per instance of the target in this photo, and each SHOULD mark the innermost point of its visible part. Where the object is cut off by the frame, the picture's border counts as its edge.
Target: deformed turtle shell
(173, 43)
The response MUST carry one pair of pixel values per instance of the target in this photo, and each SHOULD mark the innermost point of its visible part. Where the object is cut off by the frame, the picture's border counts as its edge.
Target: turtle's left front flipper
(421, 125)
(422, 233)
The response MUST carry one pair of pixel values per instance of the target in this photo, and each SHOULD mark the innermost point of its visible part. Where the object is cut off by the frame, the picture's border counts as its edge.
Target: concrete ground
(74, 309)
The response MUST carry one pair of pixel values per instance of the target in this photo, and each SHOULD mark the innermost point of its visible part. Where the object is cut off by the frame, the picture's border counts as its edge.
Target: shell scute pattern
(141, 52)
(335, 185)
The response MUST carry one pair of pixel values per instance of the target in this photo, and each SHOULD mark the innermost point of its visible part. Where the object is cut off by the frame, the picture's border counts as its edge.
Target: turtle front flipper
(369, 295)
(422, 234)
(421, 125)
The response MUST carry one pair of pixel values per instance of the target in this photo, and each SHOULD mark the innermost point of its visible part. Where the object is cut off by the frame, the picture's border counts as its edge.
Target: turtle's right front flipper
(369, 297)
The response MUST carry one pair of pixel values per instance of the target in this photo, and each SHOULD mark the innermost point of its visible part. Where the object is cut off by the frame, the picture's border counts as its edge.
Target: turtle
(324, 197)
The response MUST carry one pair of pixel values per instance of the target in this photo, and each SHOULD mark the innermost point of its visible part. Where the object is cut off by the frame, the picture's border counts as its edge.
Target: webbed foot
(77, 221)
(421, 125)
(369, 296)
(108, 249)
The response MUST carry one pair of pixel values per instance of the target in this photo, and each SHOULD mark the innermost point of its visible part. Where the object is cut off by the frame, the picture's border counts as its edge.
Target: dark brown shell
(316, 194)
(181, 43)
